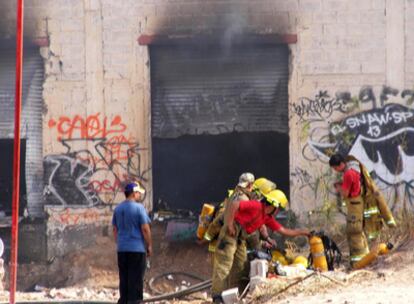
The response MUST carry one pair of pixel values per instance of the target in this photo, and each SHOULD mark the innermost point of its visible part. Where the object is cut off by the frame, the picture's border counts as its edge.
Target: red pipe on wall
(16, 153)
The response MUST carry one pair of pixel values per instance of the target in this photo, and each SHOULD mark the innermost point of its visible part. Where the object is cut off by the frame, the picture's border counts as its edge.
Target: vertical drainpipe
(16, 153)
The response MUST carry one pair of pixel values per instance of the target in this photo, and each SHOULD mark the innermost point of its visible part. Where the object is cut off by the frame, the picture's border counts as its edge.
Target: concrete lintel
(191, 39)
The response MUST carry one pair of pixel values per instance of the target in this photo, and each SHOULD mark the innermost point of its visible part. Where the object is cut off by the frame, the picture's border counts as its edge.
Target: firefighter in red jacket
(350, 190)
(244, 218)
(367, 209)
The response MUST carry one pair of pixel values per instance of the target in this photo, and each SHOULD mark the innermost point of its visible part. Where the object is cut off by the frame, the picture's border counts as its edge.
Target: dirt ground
(390, 280)
(91, 274)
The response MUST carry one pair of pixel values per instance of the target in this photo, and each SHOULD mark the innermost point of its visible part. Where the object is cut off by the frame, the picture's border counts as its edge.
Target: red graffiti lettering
(104, 186)
(90, 127)
(107, 185)
(118, 147)
(69, 217)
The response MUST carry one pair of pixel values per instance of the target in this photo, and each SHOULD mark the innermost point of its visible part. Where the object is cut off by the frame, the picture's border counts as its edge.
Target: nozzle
(390, 246)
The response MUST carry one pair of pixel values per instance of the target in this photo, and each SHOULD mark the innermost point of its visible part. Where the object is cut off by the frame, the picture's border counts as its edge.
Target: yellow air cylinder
(380, 249)
(318, 254)
(204, 220)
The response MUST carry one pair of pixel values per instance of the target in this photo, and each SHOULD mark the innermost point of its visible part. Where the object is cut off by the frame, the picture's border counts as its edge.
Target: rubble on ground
(71, 293)
(312, 283)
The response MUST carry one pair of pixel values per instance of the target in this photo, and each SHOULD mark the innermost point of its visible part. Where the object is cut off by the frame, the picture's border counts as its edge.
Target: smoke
(223, 24)
(35, 16)
(7, 18)
(235, 25)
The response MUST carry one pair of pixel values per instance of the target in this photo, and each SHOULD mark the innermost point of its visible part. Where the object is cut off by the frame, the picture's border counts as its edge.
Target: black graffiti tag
(69, 176)
(322, 107)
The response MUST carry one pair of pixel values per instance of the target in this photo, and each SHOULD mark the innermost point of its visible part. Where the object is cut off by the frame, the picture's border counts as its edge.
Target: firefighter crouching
(366, 207)
(242, 219)
(246, 189)
(243, 191)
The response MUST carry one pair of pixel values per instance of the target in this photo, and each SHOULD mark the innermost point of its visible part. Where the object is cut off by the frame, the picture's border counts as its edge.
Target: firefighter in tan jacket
(245, 190)
(366, 207)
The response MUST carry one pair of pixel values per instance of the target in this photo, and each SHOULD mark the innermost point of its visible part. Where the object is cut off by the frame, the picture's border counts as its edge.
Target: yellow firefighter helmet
(301, 260)
(276, 198)
(263, 186)
(277, 256)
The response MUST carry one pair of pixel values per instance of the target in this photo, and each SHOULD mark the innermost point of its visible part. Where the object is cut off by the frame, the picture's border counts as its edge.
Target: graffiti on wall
(381, 137)
(322, 106)
(179, 230)
(100, 157)
(220, 111)
(70, 216)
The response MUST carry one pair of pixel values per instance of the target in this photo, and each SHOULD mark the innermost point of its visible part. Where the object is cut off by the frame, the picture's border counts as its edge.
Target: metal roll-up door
(214, 91)
(31, 128)
(216, 112)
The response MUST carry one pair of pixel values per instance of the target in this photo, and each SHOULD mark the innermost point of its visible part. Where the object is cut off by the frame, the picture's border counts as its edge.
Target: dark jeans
(131, 267)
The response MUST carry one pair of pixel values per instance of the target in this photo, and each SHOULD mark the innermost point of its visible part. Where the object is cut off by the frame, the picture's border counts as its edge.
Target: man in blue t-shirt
(133, 236)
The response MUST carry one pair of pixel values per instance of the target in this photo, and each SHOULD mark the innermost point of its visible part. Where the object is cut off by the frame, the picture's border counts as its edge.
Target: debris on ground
(310, 284)
(70, 293)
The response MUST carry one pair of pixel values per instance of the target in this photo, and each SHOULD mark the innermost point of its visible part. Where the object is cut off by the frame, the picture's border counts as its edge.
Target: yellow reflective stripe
(356, 258)
(391, 221)
(371, 211)
(373, 235)
(208, 237)
(212, 247)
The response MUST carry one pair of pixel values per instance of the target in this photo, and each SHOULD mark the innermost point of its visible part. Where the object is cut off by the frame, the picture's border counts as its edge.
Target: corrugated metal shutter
(31, 127)
(209, 90)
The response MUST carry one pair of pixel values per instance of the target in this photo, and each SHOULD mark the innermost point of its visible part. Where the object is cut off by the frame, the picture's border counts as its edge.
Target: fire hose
(204, 284)
(181, 293)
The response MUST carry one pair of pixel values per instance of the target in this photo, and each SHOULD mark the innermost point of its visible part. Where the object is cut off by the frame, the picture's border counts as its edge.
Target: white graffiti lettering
(374, 131)
(337, 129)
(378, 119)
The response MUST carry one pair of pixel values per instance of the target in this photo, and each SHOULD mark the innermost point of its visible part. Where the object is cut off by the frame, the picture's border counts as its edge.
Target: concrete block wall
(346, 51)
(409, 43)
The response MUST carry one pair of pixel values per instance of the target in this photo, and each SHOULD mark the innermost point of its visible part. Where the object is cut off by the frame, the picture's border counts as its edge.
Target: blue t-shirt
(128, 218)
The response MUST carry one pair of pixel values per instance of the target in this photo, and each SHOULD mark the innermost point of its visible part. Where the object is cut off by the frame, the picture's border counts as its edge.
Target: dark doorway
(6, 176)
(191, 170)
(215, 114)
